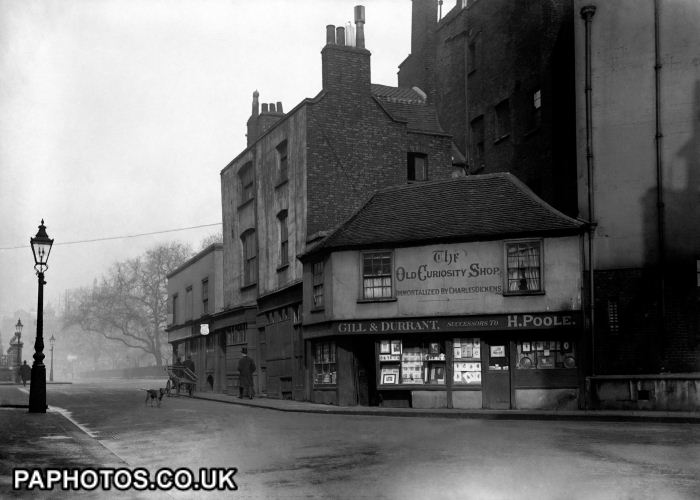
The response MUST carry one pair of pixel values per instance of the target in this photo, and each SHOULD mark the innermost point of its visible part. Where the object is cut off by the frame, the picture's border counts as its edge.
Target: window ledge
(502, 138)
(248, 201)
(281, 183)
(282, 267)
(532, 131)
(386, 299)
(523, 292)
(318, 309)
(248, 286)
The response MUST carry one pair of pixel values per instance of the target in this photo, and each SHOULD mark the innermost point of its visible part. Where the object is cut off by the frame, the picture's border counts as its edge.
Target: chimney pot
(360, 26)
(340, 35)
(330, 34)
(279, 107)
(264, 107)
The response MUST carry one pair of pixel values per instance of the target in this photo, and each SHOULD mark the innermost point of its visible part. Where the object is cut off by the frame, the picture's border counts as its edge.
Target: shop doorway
(365, 374)
(496, 374)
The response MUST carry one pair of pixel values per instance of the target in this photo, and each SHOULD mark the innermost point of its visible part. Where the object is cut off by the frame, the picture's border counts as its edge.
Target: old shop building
(303, 172)
(464, 293)
(195, 294)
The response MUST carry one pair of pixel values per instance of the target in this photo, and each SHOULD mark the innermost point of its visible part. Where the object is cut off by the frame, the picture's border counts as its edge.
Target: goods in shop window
(540, 345)
(434, 349)
(526, 347)
(569, 362)
(389, 357)
(395, 347)
(545, 362)
(385, 347)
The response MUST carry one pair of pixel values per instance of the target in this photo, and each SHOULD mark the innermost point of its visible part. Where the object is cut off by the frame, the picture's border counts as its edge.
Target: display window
(325, 368)
(467, 361)
(546, 354)
(411, 363)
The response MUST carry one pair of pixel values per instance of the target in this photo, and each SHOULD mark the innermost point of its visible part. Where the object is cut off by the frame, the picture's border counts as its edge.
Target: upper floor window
(205, 296)
(188, 302)
(318, 284)
(174, 309)
(376, 275)
(534, 116)
(502, 120)
(284, 238)
(282, 162)
(247, 178)
(477, 140)
(250, 254)
(417, 167)
(524, 267)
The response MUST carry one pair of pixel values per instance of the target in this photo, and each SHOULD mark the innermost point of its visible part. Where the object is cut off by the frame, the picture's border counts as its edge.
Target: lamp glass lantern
(18, 328)
(41, 247)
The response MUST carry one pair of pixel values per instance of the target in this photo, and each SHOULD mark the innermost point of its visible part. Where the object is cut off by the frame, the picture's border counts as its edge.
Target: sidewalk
(38, 440)
(590, 415)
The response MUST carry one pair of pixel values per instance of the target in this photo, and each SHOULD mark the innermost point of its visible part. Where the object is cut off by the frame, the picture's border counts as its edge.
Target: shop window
(325, 371)
(250, 269)
(546, 354)
(210, 343)
(376, 275)
(284, 238)
(318, 284)
(247, 179)
(502, 120)
(411, 363)
(417, 167)
(205, 296)
(524, 266)
(467, 361)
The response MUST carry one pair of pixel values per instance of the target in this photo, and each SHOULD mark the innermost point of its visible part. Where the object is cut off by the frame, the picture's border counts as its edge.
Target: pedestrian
(25, 372)
(246, 368)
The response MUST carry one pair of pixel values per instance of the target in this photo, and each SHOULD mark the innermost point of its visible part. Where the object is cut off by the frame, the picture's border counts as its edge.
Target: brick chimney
(346, 68)
(259, 121)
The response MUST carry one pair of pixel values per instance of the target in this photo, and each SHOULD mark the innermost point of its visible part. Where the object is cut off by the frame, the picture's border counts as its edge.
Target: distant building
(465, 294)
(302, 173)
(501, 75)
(195, 294)
(638, 149)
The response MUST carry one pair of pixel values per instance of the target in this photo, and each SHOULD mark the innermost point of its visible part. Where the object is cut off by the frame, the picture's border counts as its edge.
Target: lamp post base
(37, 391)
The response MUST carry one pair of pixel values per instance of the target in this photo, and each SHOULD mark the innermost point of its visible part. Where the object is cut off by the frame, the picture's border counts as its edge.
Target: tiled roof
(478, 207)
(406, 105)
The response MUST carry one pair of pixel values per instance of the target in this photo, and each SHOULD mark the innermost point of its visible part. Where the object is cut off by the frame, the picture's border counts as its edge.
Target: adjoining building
(638, 149)
(462, 293)
(303, 172)
(501, 75)
(195, 294)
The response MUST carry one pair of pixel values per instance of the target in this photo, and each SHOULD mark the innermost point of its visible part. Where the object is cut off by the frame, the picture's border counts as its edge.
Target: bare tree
(129, 305)
(210, 240)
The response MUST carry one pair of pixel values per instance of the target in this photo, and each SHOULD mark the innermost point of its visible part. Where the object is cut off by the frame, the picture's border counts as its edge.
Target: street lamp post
(41, 247)
(18, 334)
(52, 340)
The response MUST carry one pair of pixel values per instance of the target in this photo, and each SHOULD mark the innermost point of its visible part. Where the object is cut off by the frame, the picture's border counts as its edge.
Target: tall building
(302, 173)
(638, 149)
(501, 75)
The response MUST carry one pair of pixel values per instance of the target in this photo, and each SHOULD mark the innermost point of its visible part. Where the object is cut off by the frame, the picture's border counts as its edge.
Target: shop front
(507, 361)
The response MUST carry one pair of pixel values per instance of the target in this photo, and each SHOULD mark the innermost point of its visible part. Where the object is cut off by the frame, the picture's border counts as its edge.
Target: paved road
(293, 455)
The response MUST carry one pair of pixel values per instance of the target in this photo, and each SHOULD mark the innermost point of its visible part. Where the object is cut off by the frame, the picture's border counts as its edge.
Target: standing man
(25, 372)
(246, 368)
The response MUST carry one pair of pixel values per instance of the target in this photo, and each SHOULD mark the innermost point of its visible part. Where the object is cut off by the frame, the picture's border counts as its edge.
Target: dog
(154, 395)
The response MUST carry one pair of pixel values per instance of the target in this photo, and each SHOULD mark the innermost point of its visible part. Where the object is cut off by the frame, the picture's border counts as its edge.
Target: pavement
(54, 439)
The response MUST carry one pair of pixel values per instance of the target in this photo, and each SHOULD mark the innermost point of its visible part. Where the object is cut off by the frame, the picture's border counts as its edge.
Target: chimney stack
(345, 60)
(260, 121)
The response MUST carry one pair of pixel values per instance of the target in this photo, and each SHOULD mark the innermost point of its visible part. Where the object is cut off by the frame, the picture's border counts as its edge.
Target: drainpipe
(587, 13)
(660, 206)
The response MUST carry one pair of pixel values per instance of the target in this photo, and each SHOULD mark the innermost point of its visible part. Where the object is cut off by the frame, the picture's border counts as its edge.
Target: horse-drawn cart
(180, 380)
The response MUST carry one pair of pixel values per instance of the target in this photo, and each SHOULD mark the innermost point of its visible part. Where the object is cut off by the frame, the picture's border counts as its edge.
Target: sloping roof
(478, 207)
(406, 105)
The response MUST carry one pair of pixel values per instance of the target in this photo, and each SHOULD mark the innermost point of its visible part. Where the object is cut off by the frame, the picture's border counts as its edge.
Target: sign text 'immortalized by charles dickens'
(447, 271)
